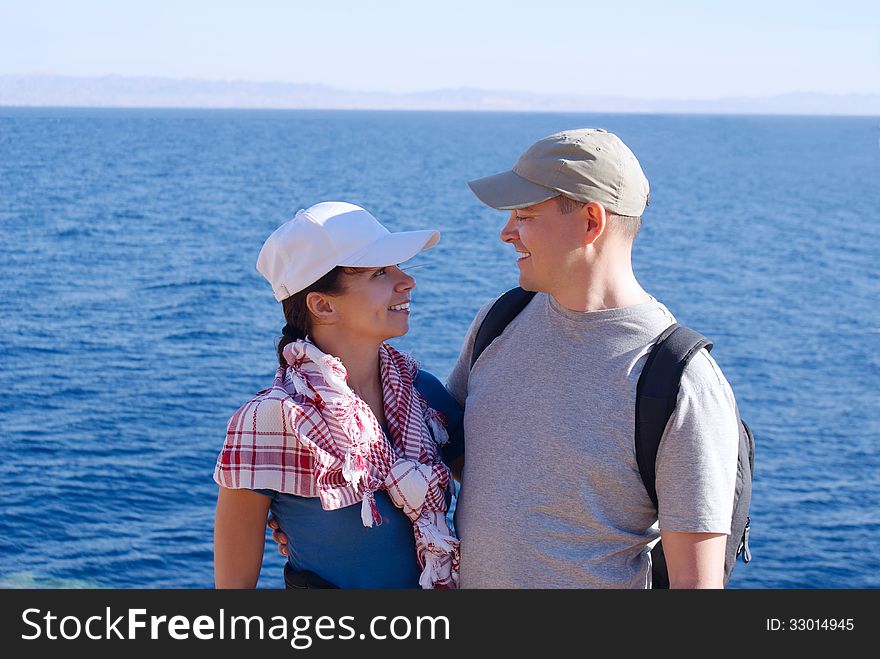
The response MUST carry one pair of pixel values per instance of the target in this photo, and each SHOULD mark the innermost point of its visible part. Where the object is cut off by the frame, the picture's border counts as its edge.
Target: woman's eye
(379, 272)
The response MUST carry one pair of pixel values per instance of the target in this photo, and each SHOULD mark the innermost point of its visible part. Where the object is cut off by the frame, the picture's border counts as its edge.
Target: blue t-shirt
(336, 545)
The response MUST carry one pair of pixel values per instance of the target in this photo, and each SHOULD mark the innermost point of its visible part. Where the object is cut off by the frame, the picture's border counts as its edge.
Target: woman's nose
(407, 282)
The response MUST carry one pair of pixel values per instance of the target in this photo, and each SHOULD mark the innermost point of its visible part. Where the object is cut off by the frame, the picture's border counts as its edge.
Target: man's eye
(379, 272)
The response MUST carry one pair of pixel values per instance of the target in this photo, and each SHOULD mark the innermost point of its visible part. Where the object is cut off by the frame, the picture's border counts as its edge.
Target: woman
(345, 422)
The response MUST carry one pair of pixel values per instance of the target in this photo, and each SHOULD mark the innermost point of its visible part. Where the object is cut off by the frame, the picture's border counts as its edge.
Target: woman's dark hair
(297, 314)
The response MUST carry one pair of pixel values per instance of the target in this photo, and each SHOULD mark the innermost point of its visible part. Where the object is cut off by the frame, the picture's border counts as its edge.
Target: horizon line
(199, 108)
(569, 94)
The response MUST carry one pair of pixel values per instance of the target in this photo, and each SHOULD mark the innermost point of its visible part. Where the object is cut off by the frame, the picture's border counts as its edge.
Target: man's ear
(322, 307)
(595, 221)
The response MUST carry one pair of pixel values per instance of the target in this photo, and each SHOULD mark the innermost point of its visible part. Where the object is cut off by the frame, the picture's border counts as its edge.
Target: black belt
(303, 579)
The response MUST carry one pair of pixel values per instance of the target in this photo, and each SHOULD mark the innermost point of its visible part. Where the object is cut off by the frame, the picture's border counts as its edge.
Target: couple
(551, 493)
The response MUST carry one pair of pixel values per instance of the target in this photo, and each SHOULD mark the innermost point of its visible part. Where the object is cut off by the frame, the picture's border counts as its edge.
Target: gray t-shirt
(551, 494)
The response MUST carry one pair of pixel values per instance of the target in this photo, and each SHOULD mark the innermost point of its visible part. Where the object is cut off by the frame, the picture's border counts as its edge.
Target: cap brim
(508, 191)
(392, 249)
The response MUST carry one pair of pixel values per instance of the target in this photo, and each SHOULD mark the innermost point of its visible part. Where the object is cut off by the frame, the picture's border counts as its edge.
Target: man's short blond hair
(627, 226)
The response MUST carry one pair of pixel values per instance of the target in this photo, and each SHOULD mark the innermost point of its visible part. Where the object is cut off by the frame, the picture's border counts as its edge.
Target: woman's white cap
(332, 233)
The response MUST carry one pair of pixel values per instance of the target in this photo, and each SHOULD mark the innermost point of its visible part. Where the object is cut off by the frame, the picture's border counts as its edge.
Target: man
(551, 492)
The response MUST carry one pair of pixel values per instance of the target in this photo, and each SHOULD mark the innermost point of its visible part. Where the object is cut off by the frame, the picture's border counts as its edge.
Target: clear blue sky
(685, 49)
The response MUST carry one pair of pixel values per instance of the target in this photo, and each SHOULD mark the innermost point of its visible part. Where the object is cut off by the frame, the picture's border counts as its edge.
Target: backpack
(656, 396)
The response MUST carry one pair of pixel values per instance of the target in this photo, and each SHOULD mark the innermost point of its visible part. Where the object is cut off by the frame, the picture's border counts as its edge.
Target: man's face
(545, 241)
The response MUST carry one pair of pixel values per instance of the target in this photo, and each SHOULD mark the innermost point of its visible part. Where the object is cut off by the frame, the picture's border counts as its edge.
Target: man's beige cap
(586, 164)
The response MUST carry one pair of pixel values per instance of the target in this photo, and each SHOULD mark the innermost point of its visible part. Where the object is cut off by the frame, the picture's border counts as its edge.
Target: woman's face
(375, 302)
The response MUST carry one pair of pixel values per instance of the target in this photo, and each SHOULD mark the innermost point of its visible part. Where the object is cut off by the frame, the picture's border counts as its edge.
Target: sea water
(133, 322)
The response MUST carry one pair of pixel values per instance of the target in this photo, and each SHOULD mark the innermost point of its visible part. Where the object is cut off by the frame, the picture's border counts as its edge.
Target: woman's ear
(321, 307)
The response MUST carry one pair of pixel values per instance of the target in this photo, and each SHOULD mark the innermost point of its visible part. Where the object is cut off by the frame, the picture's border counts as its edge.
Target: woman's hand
(239, 537)
(278, 536)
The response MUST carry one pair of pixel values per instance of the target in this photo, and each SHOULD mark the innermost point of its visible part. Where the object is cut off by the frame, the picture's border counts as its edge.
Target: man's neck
(600, 288)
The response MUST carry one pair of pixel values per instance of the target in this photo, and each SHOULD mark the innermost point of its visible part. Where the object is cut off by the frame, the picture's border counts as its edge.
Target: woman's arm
(438, 397)
(239, 537)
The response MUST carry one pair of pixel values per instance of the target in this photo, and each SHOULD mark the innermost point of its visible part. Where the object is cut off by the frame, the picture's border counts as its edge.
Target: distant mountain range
(122, 91)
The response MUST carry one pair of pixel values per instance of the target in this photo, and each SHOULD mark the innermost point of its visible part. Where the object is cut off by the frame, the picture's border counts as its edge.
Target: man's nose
(509, 233)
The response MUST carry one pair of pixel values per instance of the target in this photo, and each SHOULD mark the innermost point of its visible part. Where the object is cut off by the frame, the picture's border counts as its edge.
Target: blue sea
(133, 322)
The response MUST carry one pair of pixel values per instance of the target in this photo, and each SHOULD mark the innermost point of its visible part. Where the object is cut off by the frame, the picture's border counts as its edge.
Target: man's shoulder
(530, 300)
(702, 372)
(655, 314)
(483, 311)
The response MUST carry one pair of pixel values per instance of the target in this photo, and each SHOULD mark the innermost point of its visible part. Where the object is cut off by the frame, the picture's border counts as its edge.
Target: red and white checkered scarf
(310, 435)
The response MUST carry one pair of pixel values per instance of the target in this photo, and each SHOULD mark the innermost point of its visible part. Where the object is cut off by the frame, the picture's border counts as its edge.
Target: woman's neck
(361, 362)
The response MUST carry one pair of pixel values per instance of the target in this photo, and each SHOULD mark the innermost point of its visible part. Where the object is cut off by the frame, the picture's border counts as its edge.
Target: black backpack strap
(505, 309)
(657, 393)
